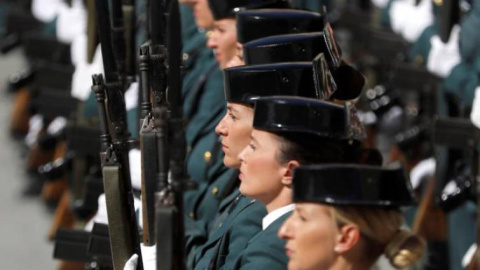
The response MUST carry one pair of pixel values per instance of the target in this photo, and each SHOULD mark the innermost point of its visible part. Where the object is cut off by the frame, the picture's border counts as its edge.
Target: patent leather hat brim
(358, 185)
(260, 23)
(244, 84)
(222, 9)
(279, 114)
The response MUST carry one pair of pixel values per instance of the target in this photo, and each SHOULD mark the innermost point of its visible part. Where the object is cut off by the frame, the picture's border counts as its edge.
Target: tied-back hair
(382, 232)
(310, 149)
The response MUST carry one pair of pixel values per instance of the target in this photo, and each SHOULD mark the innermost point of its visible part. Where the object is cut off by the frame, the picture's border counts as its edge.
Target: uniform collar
(276, 214)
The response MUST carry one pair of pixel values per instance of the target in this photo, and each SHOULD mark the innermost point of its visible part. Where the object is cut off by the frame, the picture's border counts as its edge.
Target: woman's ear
(348, 237)
(287, 174)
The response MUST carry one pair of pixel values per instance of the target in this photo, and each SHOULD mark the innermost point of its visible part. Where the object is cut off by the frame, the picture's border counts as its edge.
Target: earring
(337, 249)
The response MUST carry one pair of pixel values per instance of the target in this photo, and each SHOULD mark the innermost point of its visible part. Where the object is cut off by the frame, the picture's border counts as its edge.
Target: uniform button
(208, 34)
(214, 190)
(207, 156)
(220, 225)
(192, 215)
(94, 120)
(189, 148)
(419, 60)
(438, 2)
(185, 56)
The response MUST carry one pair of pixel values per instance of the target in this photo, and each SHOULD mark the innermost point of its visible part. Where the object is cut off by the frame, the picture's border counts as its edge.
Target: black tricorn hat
(287, 114)
(292, 47)
(359, 185)
(282, 114)
(228, 8)
(305, 47)
(244, 84)
(260, 23)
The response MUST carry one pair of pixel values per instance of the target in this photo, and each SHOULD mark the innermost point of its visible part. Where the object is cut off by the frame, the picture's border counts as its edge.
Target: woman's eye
(302, 218)
(252, 146)
(233, 117)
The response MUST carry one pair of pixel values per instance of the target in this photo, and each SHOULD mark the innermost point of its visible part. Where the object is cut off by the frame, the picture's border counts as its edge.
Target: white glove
(398, 14)
(475, 114)
(71, 21)
(467, 258)
(82, 77)
(418, 18)
(102, 216)
(56, 125)
(380, 3)
(78, 50)
(149, 258)
(131, 96)
(35, 124)
(443, 57)
(45, 10)
(134, 157)
(131, 264)
(424, 168)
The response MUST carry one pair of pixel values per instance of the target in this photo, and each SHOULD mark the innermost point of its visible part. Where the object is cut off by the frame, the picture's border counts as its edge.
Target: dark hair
(310, 149)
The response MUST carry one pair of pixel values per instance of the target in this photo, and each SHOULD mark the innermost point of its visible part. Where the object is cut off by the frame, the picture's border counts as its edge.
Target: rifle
(449, 16)
(169, 208)
(162, 137)
(123, 229)
(153, 138)
(454, 134)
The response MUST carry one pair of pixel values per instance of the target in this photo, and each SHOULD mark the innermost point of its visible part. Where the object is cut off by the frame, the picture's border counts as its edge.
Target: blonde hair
(382, 233)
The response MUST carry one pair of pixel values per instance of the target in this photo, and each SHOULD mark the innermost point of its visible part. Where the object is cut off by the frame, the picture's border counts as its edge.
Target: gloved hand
(56, 125)
(135, 161)
(35, 126)
(380, 3)
(443, 57)
(71, 21)
(131, 96)
(78, 50)
(82, 77)
(45, 10)
(418, 18)
(475, 114)
(149, 257)
(397, 12)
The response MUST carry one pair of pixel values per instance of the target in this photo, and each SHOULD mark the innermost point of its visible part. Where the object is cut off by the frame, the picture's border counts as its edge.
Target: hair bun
(404, 249)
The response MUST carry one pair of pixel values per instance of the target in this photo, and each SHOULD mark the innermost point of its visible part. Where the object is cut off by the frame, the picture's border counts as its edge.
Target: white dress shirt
(277, 213)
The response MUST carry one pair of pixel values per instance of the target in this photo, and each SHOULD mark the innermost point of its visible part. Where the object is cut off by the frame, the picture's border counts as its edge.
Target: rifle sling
(120, 241)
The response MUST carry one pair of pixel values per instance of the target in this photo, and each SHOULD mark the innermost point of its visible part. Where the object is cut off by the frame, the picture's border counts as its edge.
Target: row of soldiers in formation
(280, 129)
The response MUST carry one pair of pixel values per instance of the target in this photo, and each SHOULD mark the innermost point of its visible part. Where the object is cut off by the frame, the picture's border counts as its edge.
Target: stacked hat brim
(244, 84)
(271, 22)
(222, 9)
(300, 115)
(358, 185)
(305, 47)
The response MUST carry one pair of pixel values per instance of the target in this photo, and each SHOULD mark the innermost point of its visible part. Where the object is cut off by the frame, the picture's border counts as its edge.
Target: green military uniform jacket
(264, 251)
(204, 107)
(463, 79)
(239, 219)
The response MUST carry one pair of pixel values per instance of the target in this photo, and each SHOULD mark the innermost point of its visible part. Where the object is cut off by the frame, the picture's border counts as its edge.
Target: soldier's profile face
(235, 128)
(311, 234)
(261, 174)
(223, 41)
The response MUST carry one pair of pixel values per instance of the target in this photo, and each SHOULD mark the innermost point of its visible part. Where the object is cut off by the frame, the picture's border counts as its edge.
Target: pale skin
(262, 176)
(223, 41)
(316, 241)
(234, 129)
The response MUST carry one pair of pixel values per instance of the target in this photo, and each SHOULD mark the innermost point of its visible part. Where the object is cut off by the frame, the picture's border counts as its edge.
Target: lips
(288, 251)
